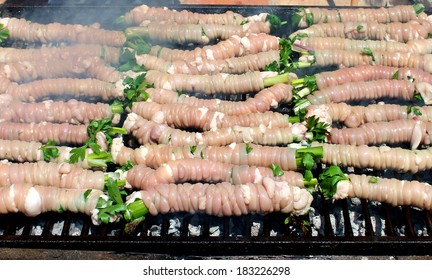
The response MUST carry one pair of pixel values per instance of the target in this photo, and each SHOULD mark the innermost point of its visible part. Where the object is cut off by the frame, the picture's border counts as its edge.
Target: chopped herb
(244, 22)
(77, 154)
(329, 179)
(102, 53)
(309, 19)
(86, 194)
(49, 150)
(373, 180)
(325, 19)
(359, 27)
(368, 51)
(295, 19)
(395, 75)
(129, 164)
(414, 110)
(203, 34)
(248, 148)
(60, 210)
(113, 190)
(202, 155)
(192, 149)
(277, 171)
(339, 16)
(419, 8)
(429, 36)
(135, 90)
(4, 33)
(275, 20)
(319, 129)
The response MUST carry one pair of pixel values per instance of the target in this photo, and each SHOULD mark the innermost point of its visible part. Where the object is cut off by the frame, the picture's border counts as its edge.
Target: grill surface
(350, 226)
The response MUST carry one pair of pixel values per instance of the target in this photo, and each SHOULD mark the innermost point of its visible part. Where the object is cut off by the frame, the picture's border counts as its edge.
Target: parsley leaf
(368, 51)
(49, 150)
(248, 148)
(277, 171)
(329, 179)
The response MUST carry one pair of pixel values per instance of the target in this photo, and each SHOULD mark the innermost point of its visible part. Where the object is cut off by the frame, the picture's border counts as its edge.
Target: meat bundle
(212, 125)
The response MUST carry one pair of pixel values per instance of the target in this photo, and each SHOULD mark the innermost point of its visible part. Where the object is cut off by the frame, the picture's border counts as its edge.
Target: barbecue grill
(345, 227)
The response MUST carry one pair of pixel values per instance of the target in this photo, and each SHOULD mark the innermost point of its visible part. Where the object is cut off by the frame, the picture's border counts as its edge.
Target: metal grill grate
(349, 226)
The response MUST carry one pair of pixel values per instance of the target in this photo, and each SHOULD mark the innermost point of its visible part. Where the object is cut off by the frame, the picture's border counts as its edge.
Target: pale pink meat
(65, 87)
(107, 53)
(396, 31)
(201, 170)
(234, 46)
(399, 13)
(376, 157)
(353, 116)
(248, 82)
(392, 191)
(201, 118)
(411, 131)
(262, 101)
(72, 111)
(144, 13)
(24, 30)
(233, 65)
(62, 133)
(237, 153)
(150, 132)
(364, 90)
(351, 58)
(32, 200)
(63, 175)
(235, 200)
(368, 73)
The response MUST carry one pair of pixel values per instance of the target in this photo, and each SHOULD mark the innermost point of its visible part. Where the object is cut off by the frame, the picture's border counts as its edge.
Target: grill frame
(16, 229)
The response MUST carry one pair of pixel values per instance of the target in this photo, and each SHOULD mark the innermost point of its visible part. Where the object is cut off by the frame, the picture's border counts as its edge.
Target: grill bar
(203, 235)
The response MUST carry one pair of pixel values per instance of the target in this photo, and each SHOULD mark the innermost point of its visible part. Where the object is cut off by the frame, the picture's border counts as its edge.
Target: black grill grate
(348, 226)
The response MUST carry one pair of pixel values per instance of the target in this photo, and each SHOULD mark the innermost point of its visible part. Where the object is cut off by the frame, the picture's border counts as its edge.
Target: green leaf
(417, 111)
(86, 194)
(419, 8)
(275, 21)
(248, 148)
(309, 19)
(277, 171)
(329, 179)
(135, 90)
(308, 175)
(4, 33)
(192, 149)
(77, 154)
(295, 19)
(373, 180)
(325, 19)
(308, 162)
(129, 165)
(395, 75)
(368, 51)
(318, 129)
(359, 27)
(95, 147)
(105, 213)
(114, 191)
(49, 150)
